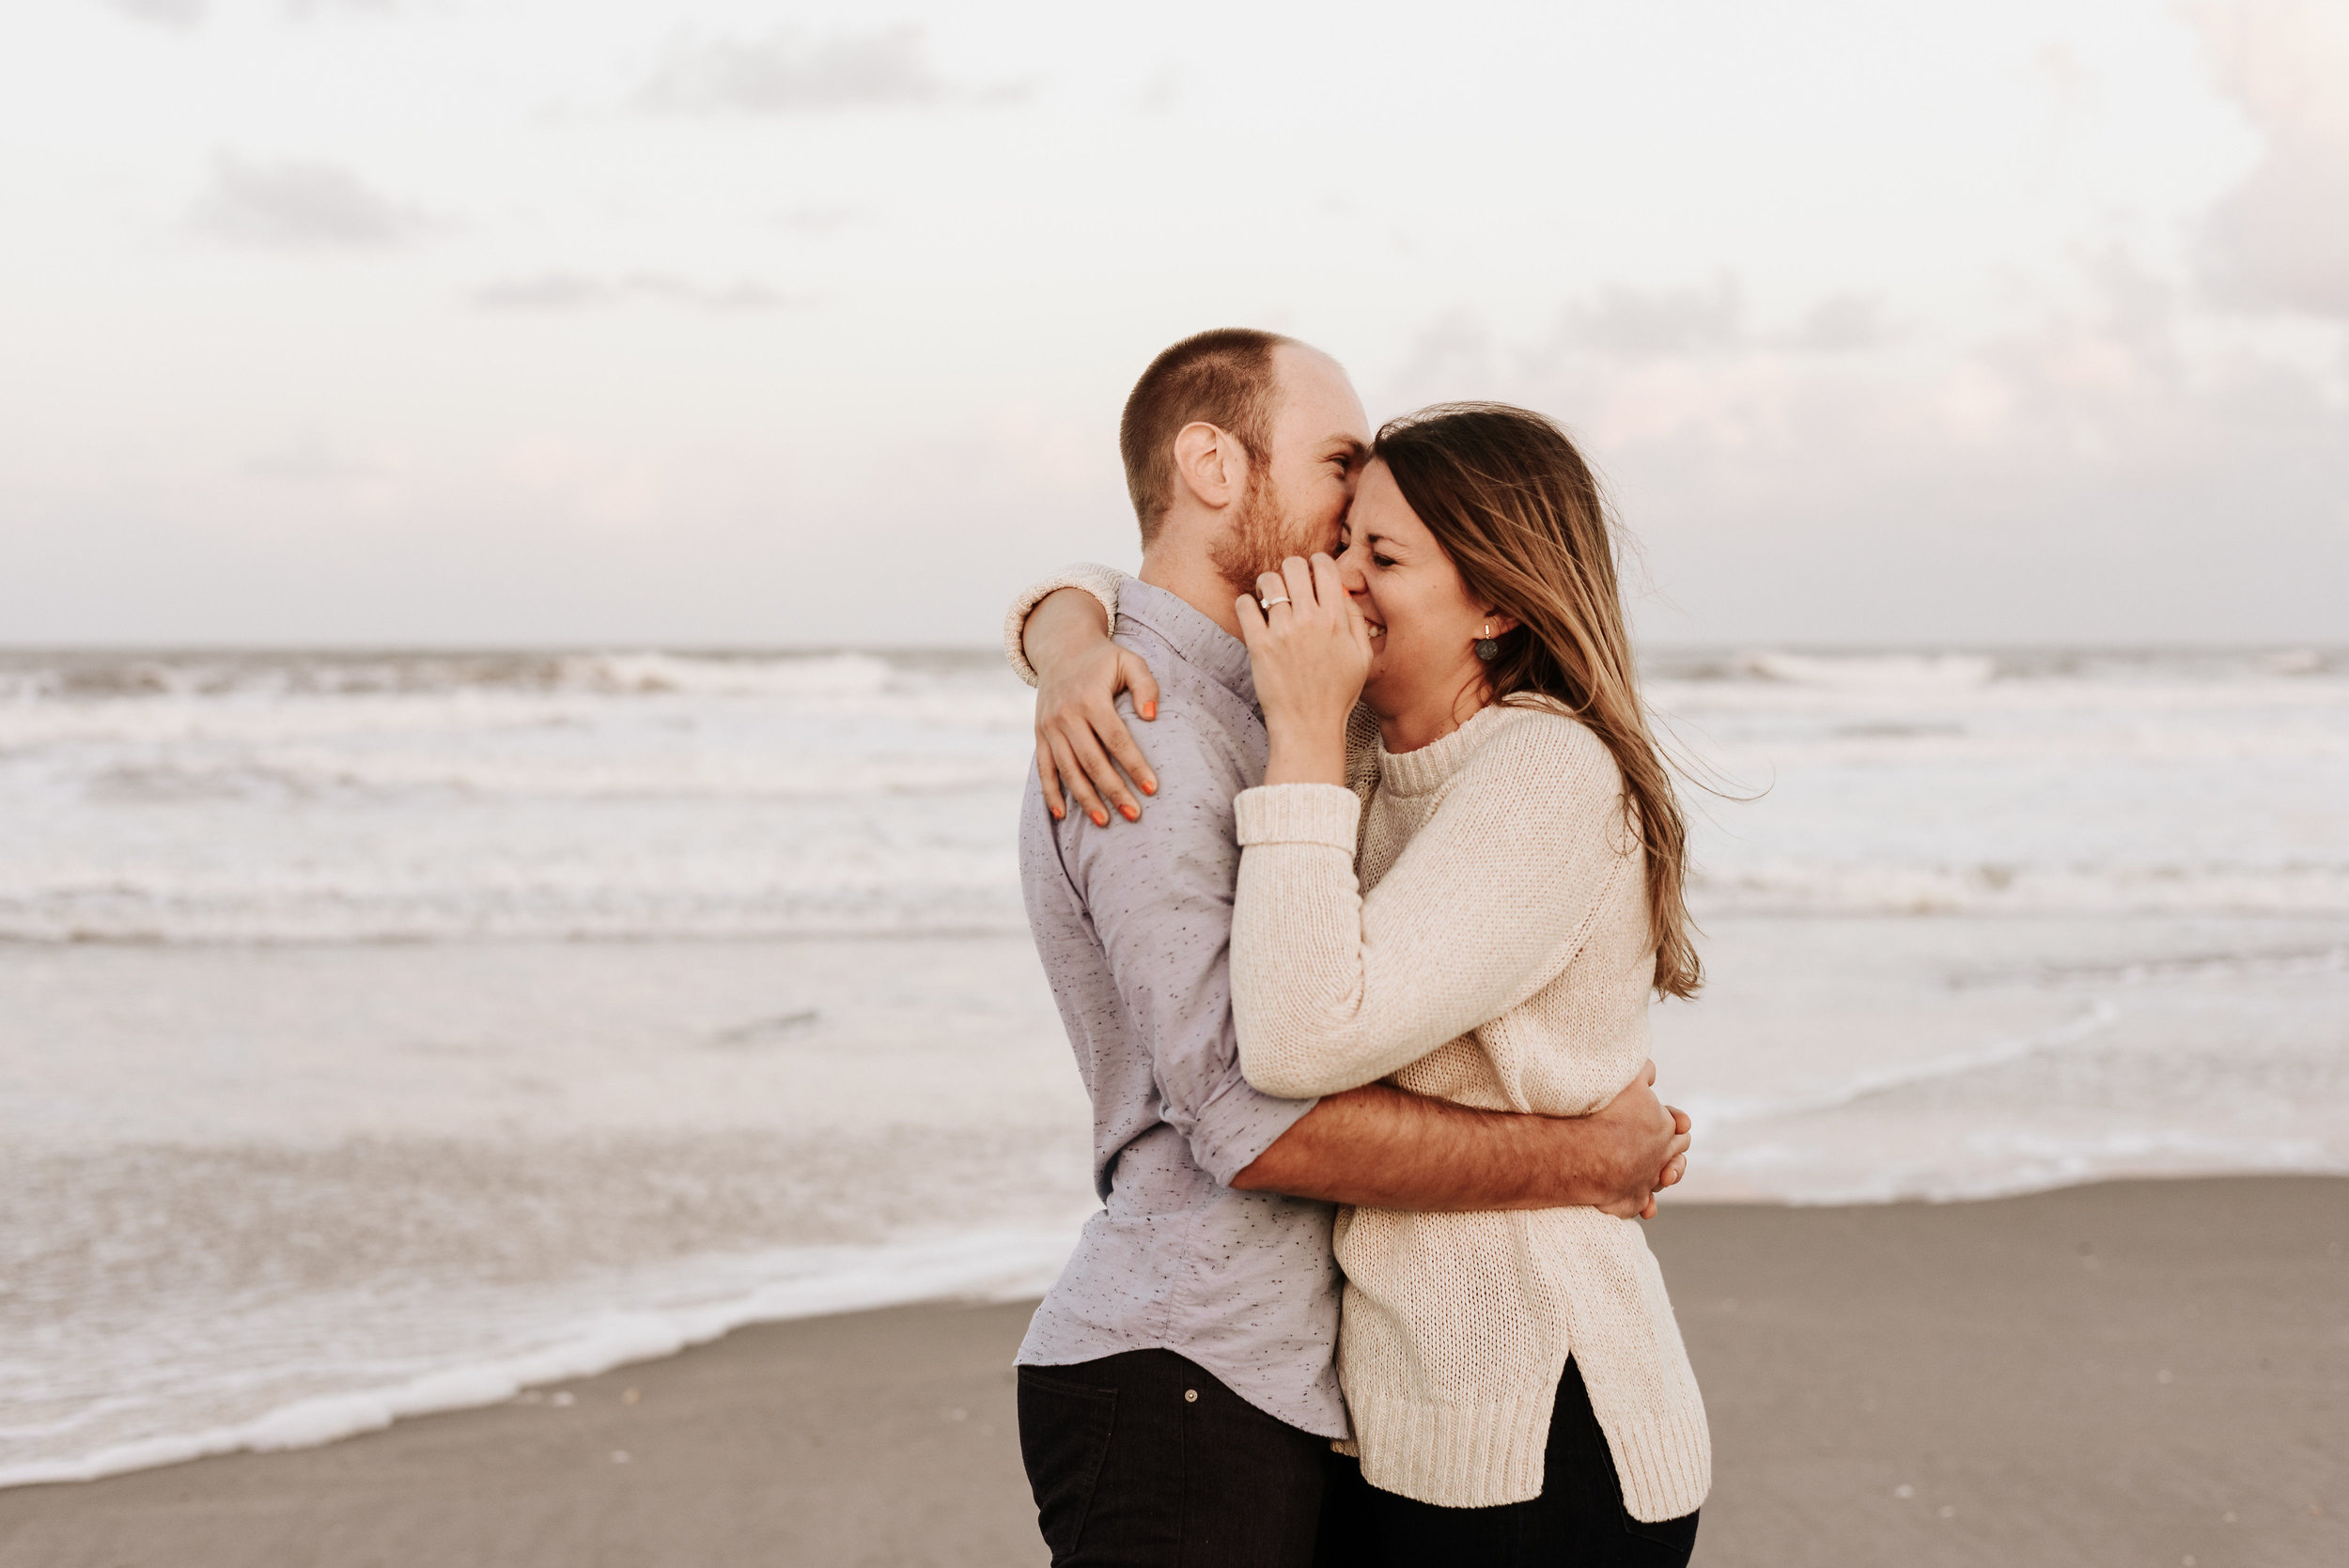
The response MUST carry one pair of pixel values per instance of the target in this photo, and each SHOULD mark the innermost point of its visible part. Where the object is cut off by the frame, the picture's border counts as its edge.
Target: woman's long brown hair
(1524, 520)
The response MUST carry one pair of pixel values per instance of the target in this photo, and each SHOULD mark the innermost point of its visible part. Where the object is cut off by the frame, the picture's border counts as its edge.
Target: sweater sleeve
(1487, 903)
(1100, 581)
(1361, 751)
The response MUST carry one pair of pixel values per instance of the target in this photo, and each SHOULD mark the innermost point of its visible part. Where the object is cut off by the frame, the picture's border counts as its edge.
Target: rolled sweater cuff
(1100, 581)
(1322, 814)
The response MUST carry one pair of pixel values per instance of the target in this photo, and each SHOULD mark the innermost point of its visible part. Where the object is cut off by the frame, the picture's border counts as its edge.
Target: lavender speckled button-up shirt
(1133, 921)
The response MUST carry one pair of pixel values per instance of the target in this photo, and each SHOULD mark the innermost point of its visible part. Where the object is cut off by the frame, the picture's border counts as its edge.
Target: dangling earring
(1486, 648)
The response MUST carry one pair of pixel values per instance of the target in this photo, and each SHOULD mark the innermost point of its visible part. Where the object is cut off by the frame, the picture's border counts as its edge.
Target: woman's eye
(1381, 560)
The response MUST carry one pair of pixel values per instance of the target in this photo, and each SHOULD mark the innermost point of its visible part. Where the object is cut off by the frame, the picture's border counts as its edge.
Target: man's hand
(1080, 672)
(1640, 1147)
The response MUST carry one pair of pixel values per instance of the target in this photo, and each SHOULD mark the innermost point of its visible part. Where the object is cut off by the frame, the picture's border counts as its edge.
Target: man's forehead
(1302, 369)
(1313, 386)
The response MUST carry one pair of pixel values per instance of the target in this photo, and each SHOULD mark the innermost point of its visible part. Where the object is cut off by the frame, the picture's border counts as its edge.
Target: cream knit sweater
(1493, 951)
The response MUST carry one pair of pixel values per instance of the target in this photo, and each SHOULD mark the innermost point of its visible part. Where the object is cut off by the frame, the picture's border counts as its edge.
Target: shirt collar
(1191, 634)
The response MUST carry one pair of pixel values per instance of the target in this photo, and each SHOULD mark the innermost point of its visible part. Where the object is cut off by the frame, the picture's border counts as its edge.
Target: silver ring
(1268, 603)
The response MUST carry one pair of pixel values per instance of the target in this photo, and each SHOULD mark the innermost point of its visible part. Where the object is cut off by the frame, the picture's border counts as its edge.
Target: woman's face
(1424, 624)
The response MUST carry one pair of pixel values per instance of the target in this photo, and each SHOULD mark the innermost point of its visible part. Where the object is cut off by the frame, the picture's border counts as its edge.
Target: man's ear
(1208, 462)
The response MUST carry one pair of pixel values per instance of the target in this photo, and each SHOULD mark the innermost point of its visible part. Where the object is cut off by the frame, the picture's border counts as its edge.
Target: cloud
(2280, 239)
(558, 291)
(1843, 322)
(1164, 91)
(2086, 471)
(547, 291)
(309, 459)
(821, 219)
(169, 13)
(293, 206)
(189, 13)
(1666, 321)
(789, 73)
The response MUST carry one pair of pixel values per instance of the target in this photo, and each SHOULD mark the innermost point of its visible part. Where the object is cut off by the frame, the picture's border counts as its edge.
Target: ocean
(382, 1034)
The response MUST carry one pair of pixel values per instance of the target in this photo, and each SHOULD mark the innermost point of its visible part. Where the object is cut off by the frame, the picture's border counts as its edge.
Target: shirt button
(1190, 1396)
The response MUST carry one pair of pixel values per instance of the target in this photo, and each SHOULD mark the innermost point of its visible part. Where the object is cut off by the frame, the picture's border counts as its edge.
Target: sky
(480, 322)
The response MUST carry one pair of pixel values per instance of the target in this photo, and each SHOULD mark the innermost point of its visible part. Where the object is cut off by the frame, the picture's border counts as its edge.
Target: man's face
(1297, 499)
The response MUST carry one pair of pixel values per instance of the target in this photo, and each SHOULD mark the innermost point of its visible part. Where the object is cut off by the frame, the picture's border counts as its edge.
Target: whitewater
(389, 1033)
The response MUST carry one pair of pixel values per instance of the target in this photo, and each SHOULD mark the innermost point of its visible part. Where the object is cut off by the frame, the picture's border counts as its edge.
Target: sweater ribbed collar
(1417, 772)
(1194, 637)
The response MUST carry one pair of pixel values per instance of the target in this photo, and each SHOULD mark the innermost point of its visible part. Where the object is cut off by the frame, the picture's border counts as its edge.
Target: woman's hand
(1080, 672)
(1311, 654)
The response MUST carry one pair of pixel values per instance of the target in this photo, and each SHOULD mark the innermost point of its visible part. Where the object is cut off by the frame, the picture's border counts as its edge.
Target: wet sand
(2151, 1372)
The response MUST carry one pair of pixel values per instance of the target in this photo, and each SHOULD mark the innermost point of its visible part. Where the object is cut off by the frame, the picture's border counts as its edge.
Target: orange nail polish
(1100, 819)
(1150, 786)
(1149, 711)
(1132, 814)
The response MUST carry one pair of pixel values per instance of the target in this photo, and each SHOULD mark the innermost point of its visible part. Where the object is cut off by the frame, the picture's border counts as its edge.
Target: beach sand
(2141, 1373)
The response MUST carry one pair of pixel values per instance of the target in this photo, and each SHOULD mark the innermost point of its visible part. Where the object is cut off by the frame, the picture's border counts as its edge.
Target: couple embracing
(1361, 998)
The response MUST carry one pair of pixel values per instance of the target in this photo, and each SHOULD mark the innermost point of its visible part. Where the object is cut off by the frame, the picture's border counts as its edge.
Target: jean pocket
(1064, 1433)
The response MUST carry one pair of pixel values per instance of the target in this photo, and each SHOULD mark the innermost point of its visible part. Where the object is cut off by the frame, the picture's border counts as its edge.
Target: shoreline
(988, 1267)
(2137, 1371)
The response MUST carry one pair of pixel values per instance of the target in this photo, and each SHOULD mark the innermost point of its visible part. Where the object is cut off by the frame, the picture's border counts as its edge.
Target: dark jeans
(1578, 1518)
(1144, 1460)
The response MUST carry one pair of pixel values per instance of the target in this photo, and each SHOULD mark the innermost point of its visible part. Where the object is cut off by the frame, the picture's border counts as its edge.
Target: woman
(1470, 887)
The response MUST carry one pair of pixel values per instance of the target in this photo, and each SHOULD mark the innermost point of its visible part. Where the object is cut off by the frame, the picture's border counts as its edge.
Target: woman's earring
(1488, 648)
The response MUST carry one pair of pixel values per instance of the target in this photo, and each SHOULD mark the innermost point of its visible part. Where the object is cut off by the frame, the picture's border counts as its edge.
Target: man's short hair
(1223, 378)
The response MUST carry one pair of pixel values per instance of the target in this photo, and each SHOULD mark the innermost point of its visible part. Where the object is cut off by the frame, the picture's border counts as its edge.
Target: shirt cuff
(1234, 1128)
(1100, 581)
(1323, 813)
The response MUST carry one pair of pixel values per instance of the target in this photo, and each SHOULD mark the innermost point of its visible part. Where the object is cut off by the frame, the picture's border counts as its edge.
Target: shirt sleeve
(1100, 581)
(1489, 900)
(1159, 894)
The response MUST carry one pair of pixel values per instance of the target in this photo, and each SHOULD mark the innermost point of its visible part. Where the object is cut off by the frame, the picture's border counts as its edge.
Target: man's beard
(1260, 536)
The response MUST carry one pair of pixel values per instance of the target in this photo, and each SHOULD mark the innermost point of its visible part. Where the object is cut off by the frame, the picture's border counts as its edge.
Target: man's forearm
(1381, 1147)
(1066, 619)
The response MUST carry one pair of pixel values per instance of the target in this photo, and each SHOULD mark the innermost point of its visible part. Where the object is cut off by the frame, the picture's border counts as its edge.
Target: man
(1178, 1394)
